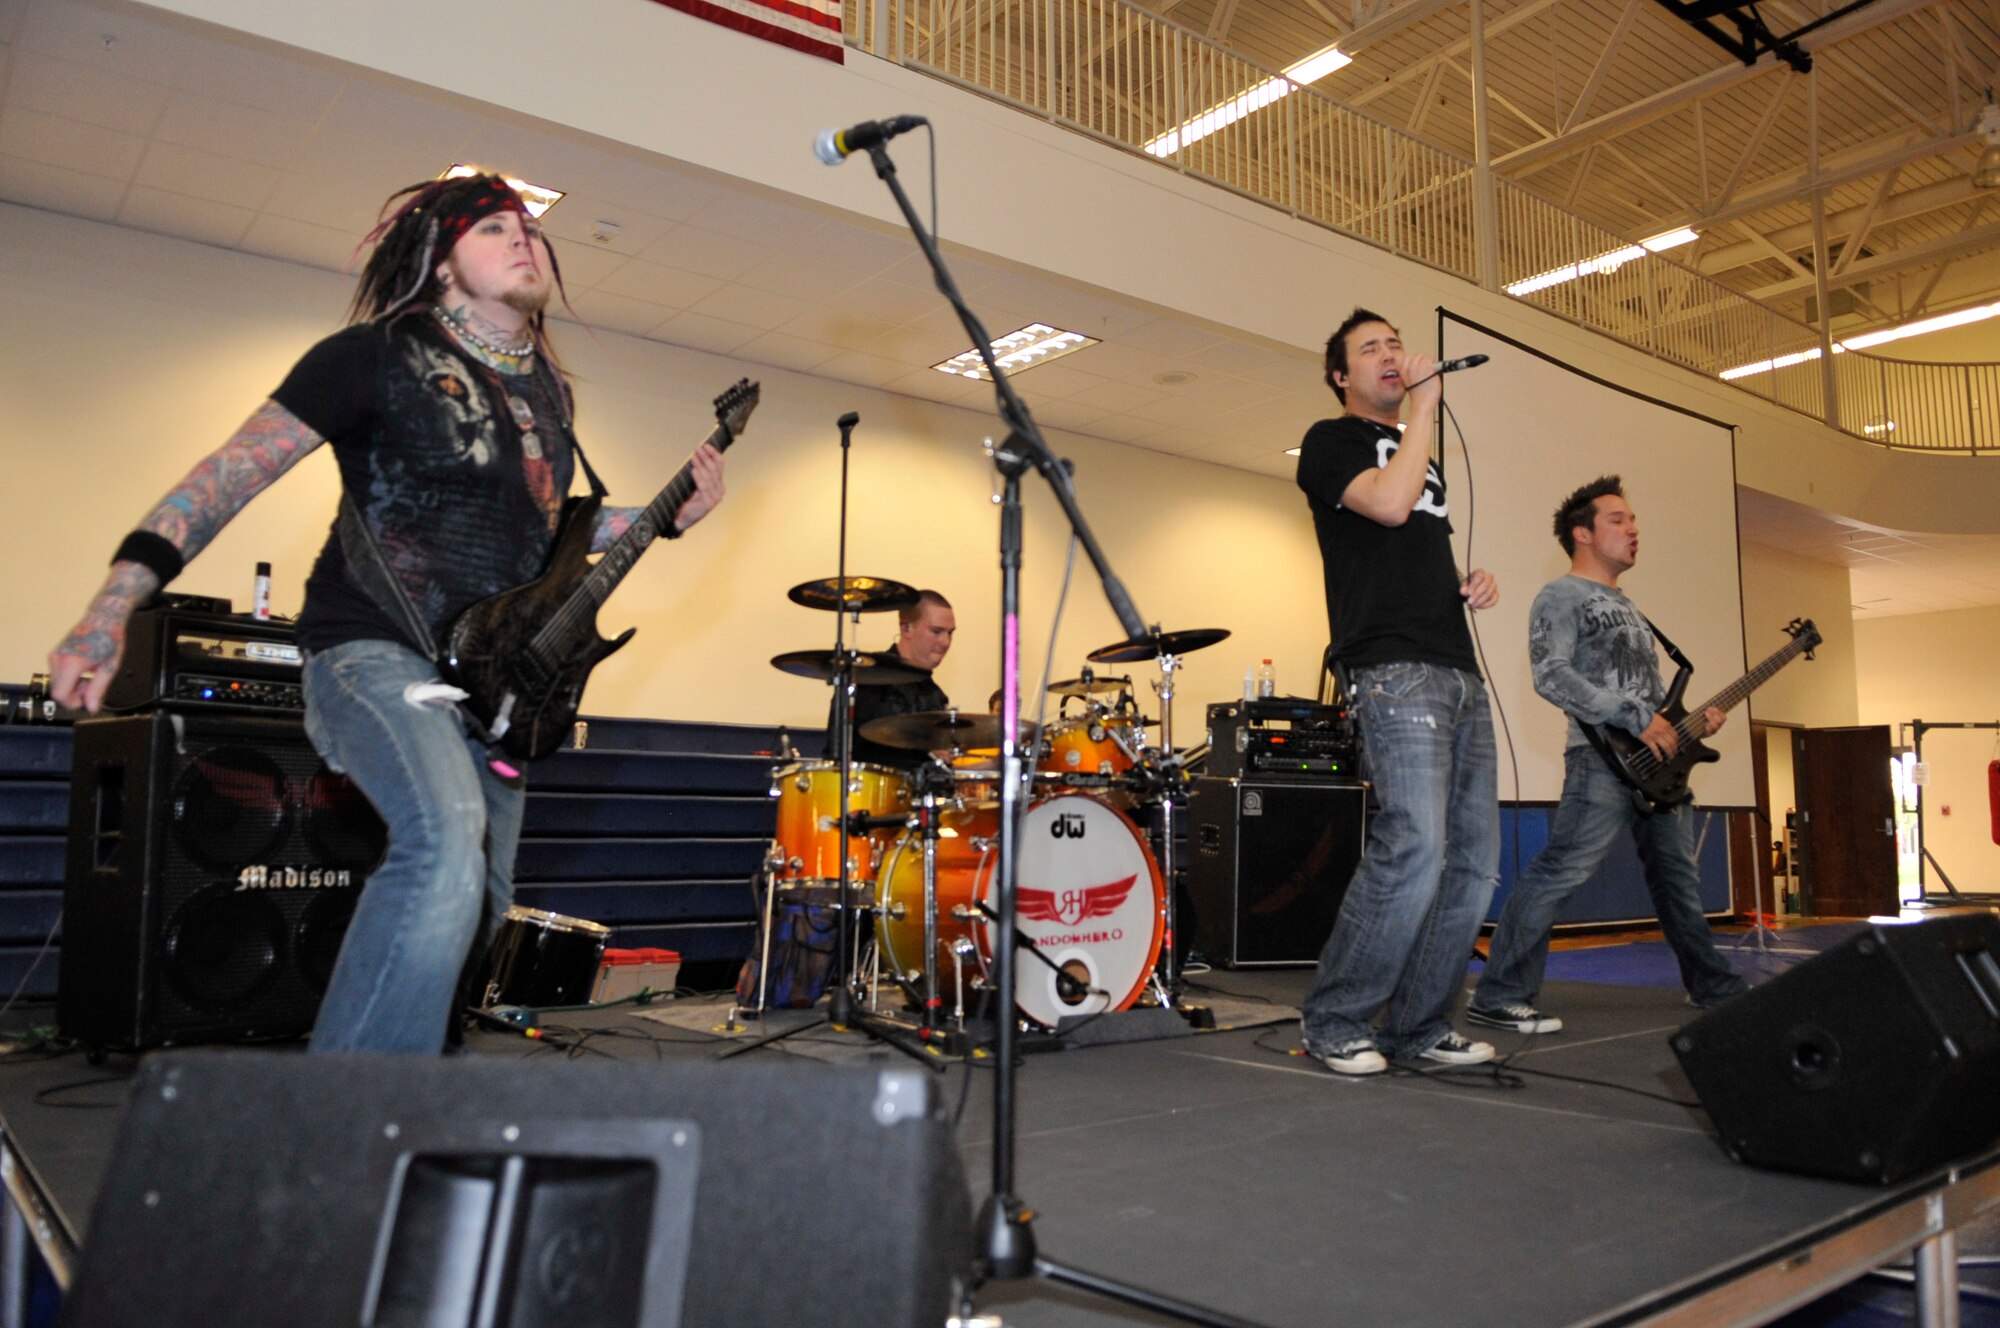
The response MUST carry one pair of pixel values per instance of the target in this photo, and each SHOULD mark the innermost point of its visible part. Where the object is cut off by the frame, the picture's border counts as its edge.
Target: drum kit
(913, 852)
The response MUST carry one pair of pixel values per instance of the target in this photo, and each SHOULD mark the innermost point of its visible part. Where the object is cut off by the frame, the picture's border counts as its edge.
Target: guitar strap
(1666, 643)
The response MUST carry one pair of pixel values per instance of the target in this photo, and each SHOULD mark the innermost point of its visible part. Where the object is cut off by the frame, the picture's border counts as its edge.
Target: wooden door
(1847, 821)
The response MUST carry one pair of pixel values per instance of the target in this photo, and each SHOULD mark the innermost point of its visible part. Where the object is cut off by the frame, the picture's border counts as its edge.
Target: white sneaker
(1355, 1058)
(1455, 1050)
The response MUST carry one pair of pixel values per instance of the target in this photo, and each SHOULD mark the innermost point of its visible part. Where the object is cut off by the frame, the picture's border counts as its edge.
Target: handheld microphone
(1463, 362)
(834, 146)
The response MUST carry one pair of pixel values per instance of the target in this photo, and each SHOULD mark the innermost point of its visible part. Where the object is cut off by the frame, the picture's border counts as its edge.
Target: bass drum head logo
(1090, 901)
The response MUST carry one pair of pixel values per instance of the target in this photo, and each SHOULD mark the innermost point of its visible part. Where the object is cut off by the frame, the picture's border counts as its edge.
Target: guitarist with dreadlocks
(449, 417)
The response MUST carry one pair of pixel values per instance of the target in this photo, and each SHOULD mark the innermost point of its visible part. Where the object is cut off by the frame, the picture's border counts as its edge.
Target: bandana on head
(454, 206)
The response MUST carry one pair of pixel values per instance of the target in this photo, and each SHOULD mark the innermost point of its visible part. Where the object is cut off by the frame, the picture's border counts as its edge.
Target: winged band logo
(1069, 907)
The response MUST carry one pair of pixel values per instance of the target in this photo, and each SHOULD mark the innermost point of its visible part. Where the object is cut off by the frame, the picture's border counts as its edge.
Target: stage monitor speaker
(1268, 864)
(1875, 1061)
(213, 865)
(257, 1188)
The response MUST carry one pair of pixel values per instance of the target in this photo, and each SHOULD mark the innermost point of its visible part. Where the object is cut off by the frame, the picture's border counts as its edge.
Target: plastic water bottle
(1250, 682)
(1267, 681)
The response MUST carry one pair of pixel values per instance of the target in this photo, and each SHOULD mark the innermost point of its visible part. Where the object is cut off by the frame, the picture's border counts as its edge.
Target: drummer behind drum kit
(917, 850)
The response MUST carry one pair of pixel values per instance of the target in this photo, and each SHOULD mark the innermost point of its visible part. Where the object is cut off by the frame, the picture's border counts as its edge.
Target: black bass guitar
(525, 654)
(1659, 784)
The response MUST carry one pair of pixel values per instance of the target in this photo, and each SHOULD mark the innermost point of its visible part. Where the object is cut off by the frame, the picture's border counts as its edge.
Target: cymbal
(939, 730)
(871, 670)
(1089, 686)
(864, 594)
(1155, 644)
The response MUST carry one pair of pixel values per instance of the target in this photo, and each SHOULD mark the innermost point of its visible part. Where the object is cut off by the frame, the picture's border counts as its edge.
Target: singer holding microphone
(1396, 606)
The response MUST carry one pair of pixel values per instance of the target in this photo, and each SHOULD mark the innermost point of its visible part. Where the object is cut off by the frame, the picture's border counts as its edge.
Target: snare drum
(1090, 900)
(541, 959)
(808, 842)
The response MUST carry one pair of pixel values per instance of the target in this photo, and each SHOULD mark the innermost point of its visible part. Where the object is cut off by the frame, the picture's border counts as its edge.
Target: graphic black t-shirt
(1391, 591)
(459, 471)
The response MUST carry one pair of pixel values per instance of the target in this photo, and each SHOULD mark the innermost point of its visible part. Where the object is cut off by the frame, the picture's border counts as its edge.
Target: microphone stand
(1004, 1232)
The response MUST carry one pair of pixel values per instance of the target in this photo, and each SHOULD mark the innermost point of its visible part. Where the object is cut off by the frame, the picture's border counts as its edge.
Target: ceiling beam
(1896, 260)
(1219, 21)
(1596, 79)
(1666, 102)
(1848, 221)
(1841, 168)
(1755, 143)
(1394, 21)
(1865, 223)
(1382, 87)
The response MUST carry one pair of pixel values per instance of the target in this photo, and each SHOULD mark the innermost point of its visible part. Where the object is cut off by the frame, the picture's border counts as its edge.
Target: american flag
(812, 26)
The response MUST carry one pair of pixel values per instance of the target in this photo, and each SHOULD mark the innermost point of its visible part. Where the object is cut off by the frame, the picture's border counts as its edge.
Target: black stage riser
(1875, 1061)
(259, 1188)
(1268, 864)
(213, 864)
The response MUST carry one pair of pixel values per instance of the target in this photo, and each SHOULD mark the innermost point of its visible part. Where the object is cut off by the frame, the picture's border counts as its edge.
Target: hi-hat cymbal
(1089, 686)
(939, 731)
(1155, 644)
(864, 594)
(870, 670)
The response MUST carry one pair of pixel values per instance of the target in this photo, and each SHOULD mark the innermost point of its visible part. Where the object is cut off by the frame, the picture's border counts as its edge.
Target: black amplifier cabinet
(207, 661)
(1268, 864)
(214, 862)
(1283, 737)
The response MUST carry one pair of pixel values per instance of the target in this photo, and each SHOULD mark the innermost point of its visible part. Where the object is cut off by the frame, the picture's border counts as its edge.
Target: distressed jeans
(448, 875)
(1596, 808)
(1411, 916)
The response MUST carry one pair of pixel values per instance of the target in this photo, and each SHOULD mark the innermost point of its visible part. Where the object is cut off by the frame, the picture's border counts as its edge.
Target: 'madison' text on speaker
(258, 1188)
(1875, 1061)
(213, 864)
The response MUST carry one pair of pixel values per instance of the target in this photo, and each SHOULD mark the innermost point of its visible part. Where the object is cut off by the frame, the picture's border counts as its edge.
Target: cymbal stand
(1170, 970)
(1004, 1229)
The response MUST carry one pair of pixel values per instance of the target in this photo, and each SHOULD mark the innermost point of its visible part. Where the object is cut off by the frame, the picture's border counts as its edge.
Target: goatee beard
(527, 299)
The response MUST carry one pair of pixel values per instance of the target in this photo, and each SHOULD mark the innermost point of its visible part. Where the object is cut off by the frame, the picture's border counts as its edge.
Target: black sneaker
(1455, 1050)
(1353, 1058)
(1514, 1016)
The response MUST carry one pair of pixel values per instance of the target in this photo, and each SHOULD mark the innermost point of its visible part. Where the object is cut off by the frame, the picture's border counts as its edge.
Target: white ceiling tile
(619, 313)
(79, 92)
(189, 218)
(863, 369)
(586, 266)
(1114, 396)
(1162, 336)
(747, 304)
(786, 352)
(1059, 414)
(837, 326)
(37, 184)
(297, 242)
(706, 252)
(119, 42)
(700, 332)
(194, 119)
(799, 275)
(59, 141)
(575, 219)
(662, 285)
(373, 112)
(276, 81)
(1125, 428)
(190, 171)
(758, 219)
(892, 302)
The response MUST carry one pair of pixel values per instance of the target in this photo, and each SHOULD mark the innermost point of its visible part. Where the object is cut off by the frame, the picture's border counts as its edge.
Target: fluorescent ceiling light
(537, 198)
(1862, 341)
(1017, 352)
(1605, 263)
(1223, 114)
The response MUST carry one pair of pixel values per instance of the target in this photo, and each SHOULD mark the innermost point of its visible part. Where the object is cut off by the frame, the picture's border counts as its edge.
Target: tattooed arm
(706, 465)
(270, 443)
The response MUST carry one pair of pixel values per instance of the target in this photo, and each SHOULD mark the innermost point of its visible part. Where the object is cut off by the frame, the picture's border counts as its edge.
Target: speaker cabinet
(1875, 1061)
(254, 1188)
(213, 865)
(1268, 864)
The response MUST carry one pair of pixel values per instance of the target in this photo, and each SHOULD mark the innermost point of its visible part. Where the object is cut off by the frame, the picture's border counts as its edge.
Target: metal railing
(1130, 78)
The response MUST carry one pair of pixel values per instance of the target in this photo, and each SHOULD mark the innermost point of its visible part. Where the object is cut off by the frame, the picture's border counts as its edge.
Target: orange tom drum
(807, 848)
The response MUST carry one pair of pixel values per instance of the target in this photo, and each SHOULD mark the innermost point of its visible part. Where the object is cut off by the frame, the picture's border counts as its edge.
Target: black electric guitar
(1658, 784)
(525, 654)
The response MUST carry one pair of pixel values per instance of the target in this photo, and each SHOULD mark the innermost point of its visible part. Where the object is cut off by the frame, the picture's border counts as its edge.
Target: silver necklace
(458, 326)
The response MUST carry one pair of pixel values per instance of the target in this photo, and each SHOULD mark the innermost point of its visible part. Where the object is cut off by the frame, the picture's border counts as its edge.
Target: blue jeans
(1595, 809)
(1412, 912)
(449, 873)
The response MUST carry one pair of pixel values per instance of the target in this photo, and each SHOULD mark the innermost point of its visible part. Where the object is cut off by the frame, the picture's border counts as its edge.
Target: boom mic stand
(1004, 1230)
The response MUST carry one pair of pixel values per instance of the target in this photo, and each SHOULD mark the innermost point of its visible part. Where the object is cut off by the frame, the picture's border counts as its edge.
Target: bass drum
(1090, 899)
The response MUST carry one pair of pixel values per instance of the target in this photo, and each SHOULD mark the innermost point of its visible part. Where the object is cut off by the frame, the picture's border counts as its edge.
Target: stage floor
(1574, 1184)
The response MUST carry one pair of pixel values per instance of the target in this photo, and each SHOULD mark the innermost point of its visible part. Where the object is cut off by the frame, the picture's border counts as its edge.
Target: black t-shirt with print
(459, 471)
(1391, 591)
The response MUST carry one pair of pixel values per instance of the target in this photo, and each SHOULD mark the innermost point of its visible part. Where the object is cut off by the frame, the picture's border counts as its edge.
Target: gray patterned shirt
(1593, 656)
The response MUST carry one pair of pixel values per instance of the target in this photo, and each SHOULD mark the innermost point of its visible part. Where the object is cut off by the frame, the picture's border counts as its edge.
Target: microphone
(1463, 362)
(834, 146)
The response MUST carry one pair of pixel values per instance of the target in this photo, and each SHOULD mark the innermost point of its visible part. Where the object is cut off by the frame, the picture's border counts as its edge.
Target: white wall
(1778, 587)
(1940, 667)
(133, 355)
